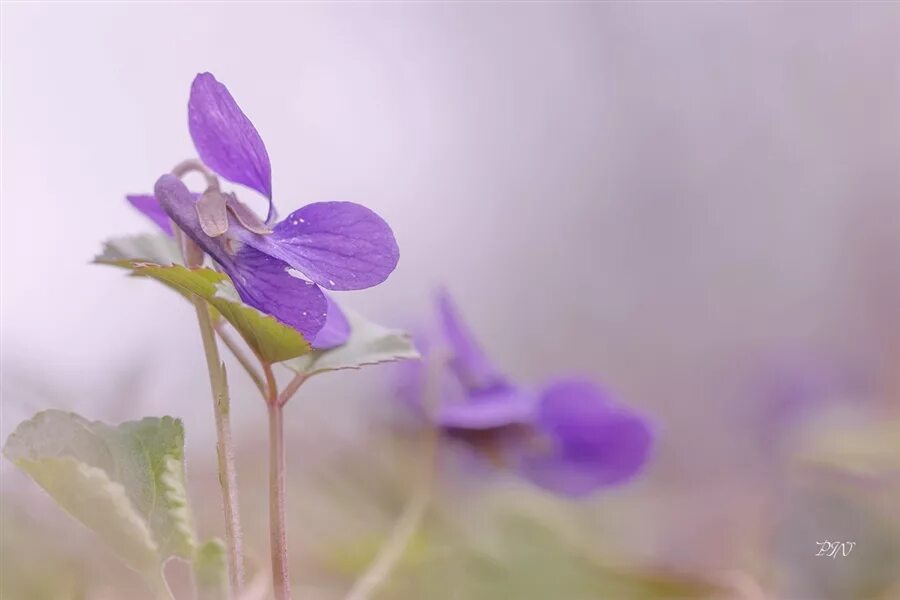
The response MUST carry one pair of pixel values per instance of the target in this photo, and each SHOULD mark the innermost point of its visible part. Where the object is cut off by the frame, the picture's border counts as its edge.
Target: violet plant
(259, 278)
(264, 287)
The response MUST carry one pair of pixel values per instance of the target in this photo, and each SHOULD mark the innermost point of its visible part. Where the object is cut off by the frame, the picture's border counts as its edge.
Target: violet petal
(336, 330)
(506, 406)
(339, 245)
(593, 442)
(225, 138)
(147, 204)
(265, 283)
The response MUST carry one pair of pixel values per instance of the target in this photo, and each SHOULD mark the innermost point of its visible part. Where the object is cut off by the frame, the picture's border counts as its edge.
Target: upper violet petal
(261, 281)
(339, 245)
(336, 330)
(593, 442)
(225, 138)
(468, 361)
(147, 204)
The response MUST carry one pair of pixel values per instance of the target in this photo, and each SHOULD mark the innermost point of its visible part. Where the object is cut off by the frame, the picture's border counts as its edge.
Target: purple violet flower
(276, 267)
(570, 438)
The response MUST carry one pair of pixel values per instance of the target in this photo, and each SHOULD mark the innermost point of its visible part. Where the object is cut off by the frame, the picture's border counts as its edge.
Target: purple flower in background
(276, 267)
(571, 437)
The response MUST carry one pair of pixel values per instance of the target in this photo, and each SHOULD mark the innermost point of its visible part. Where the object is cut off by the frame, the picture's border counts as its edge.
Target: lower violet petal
(589, 441)
(336, 330)
(266, 284)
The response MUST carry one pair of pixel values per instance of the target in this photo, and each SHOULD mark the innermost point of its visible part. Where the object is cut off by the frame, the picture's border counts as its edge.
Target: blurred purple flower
(338, 245)
(570, 438)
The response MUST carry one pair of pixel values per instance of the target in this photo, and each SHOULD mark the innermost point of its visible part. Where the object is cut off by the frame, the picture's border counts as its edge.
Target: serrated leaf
(270, 339)
(159, 249)
(211, 571)
(125, 482)
(369, 344)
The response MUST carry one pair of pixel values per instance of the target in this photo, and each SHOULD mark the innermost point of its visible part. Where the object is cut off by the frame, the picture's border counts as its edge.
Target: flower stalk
(193, 257)
(224, 448)
(281, 582)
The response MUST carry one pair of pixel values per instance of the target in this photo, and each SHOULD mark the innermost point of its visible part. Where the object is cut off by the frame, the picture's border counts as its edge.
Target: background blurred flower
(570, 437)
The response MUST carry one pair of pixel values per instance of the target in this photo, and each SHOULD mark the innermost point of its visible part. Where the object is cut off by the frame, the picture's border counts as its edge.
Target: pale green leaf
(270, 339)
(211, 571)
(124, 482)
(159, 249)
(369, 344)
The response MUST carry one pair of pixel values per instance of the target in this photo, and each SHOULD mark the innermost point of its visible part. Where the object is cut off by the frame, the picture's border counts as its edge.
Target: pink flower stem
(281, 582)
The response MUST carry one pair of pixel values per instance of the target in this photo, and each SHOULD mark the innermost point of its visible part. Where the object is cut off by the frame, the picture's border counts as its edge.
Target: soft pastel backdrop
(685, 201)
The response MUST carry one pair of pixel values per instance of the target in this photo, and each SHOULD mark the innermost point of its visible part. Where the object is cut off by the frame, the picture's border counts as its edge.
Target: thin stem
(224, 447)
(163, 589)
(271, 385)
(291, 388)
(277, 531)
(392, 551)
(193, 258)
(241, 356)
(192, 165)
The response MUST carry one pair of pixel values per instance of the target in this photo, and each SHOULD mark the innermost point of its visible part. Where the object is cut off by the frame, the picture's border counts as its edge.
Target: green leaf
(159, 249)
(125, 482)
(273, 341)
(369, 344)
(270, 339)
(211, 571)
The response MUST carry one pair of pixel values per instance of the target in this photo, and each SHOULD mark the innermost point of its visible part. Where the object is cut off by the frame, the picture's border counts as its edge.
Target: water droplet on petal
(331, 282)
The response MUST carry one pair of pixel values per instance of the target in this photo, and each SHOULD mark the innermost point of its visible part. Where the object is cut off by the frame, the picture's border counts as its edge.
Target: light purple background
(666, 197)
